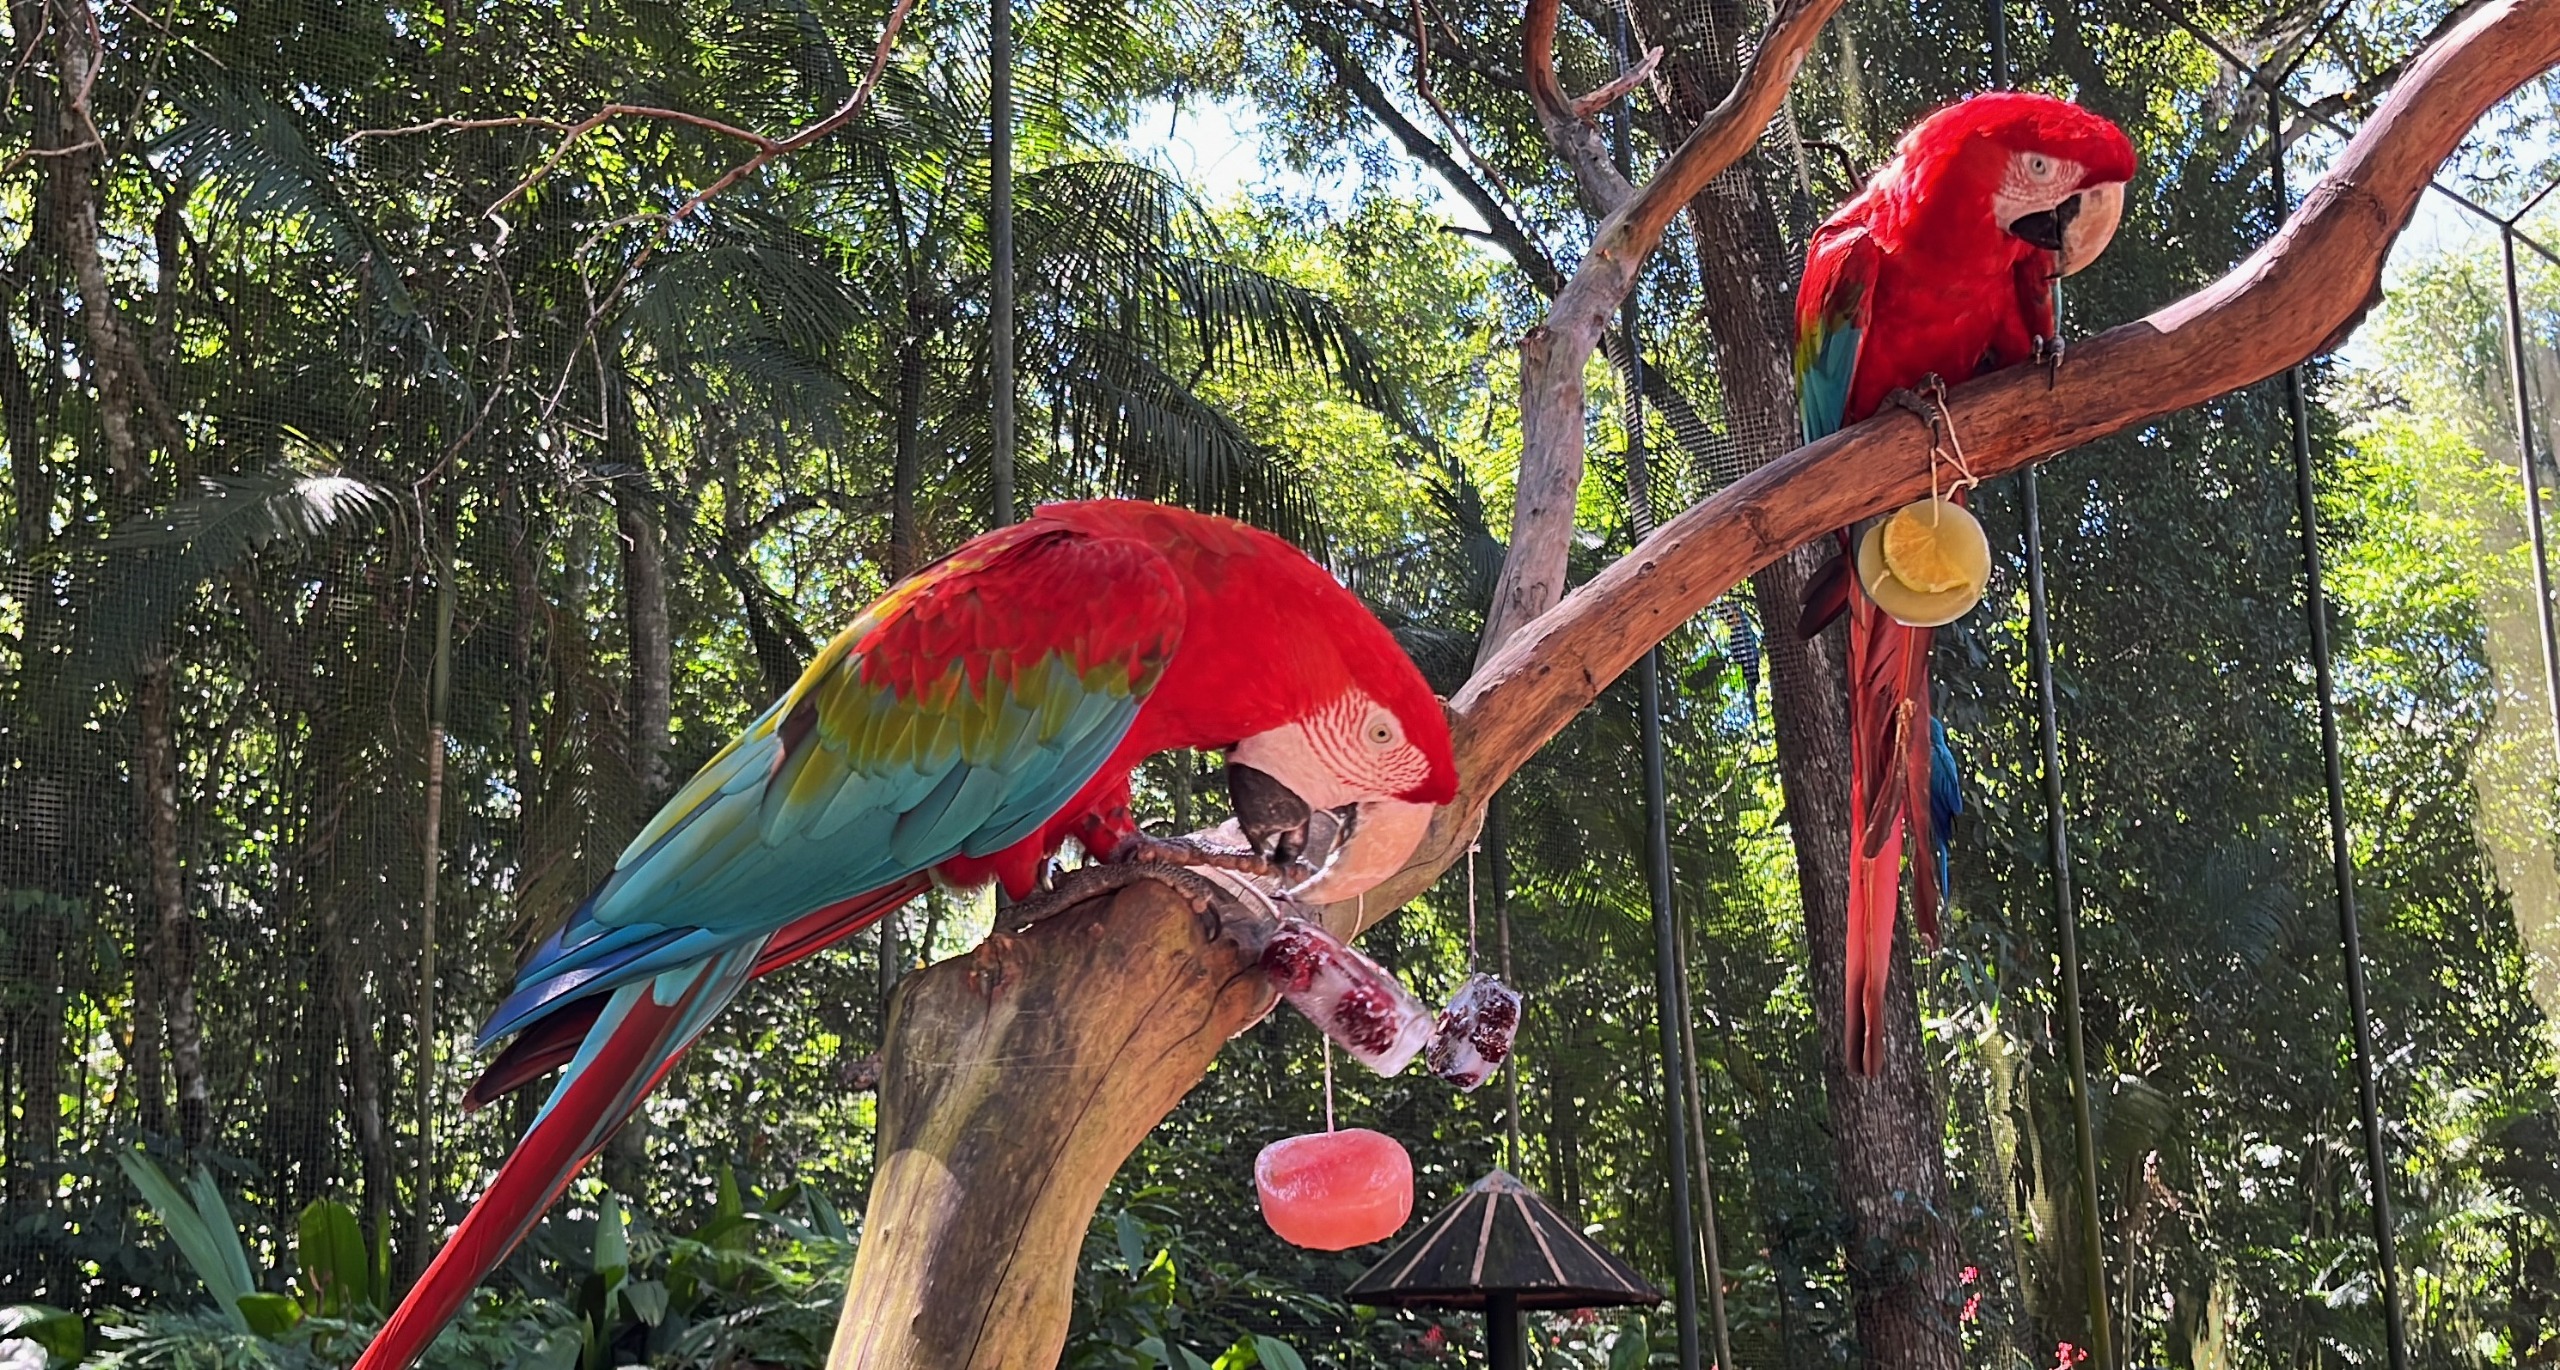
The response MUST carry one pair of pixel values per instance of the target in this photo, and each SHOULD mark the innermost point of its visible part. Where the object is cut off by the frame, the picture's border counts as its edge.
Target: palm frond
(153, 570)
(254, 156)
(1145, 433)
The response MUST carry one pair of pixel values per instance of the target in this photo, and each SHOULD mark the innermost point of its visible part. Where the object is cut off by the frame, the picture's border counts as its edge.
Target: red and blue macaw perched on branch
(981, 713)
(1941, 267)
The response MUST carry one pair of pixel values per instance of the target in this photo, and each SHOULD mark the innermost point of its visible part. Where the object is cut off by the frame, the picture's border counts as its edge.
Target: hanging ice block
(1473, 1036)
(1349, 996)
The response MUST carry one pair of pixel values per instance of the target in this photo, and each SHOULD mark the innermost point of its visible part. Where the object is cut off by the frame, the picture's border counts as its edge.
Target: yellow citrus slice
(1905, 605)
(1935, 546)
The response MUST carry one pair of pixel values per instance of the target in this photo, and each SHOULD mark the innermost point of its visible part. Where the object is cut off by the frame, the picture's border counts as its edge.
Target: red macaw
(1941, 267)
(985, 710)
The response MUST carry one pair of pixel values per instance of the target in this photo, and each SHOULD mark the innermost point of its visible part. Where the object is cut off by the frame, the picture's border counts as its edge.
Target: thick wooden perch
(1020, 1076)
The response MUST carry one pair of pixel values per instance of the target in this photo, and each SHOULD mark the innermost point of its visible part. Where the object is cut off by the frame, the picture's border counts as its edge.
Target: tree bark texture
(1015, 1081)
(1018, 1077)
(127, 398)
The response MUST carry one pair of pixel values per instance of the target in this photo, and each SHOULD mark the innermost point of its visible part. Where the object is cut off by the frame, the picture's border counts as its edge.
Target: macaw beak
(1375, 839)
(1342, 852)
(2046, 227)
(2087, 233)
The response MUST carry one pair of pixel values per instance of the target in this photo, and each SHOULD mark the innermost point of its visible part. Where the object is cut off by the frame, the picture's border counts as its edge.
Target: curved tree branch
(2299, 295)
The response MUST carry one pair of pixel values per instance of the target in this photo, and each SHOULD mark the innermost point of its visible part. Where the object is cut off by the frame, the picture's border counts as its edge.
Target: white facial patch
(2033, 183)
(1350, 750)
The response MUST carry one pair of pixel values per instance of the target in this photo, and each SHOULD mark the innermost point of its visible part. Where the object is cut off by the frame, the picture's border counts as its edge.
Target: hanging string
(1328, 1081)
(1472, 849)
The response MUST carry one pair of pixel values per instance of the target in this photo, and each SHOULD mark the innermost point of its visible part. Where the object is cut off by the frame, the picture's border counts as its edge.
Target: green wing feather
(952, 719)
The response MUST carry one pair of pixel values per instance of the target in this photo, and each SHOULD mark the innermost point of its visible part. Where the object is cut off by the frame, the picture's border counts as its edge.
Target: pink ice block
(1347, 995)
(1474, 1033)
(1331, 1191)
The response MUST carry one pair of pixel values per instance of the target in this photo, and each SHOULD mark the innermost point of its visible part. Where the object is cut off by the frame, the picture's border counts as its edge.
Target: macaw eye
(2039, 166)
(1382, 731)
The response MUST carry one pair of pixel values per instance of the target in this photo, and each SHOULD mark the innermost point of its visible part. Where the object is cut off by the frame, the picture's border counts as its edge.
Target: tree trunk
(124, 391)
(173, 939)
(906, 549)
(648, 700)
(1884, 1131)
(652, 641)
(1015, 1081)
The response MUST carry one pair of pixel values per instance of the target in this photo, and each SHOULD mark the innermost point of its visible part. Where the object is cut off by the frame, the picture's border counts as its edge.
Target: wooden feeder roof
(1500, 1237)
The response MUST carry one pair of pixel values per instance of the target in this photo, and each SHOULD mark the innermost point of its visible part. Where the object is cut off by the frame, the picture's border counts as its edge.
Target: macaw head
(1337, 750)
(1346, 783)
(2041, 170)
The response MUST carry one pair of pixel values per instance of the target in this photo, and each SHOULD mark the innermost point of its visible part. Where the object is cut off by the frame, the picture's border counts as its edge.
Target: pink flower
(2066, 1355)
(1972, 1308)
(1971, 1273)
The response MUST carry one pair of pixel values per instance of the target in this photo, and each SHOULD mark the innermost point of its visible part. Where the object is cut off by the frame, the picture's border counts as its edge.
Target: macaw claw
(2048, 354)
(1098, 878)
(1144, 849)
(1916, 399)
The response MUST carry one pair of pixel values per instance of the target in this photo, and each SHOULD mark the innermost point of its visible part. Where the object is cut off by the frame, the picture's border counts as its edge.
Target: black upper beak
(2045, 227)
(1274, 819)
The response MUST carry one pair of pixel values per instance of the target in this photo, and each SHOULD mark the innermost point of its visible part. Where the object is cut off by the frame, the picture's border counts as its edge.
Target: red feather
(1953, 294)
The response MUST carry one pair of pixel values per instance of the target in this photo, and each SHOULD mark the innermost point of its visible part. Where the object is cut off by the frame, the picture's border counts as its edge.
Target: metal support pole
(1000, 379)
(2533, 520)
(2341, 856)
(1669, 1007)
(2067, 913)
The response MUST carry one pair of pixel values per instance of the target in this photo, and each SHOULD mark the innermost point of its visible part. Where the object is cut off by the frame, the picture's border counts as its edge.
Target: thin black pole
(1669, 1007)
(2341, 857)
(2067, 914)
(1505, 1345)
(2532, 485)
(2057, 830)
(1000, 251)
(1710, 1243)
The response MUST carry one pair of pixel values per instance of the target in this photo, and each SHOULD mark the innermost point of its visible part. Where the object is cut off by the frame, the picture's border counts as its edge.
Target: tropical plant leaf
(153, 570)
(202, 1231)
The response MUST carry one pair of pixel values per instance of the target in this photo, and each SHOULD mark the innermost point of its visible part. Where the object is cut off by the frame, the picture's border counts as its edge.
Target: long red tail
(1888, 729)
(644, 1028)
(550, 1042)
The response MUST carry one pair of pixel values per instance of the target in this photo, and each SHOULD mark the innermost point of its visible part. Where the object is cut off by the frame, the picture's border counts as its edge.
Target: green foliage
(199, 1221)
(59, 1334)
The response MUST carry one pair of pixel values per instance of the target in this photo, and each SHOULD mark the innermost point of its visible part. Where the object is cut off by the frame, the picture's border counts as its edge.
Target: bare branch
(1589, 106)
(767, 148)
(1574, 139)
(1422, 86)
(2300, 294)
(1524, 251)
(1552, 356)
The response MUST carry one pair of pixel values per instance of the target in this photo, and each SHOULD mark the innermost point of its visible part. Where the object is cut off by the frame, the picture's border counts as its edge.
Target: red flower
(1434, 1339)
(1972, 1307)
